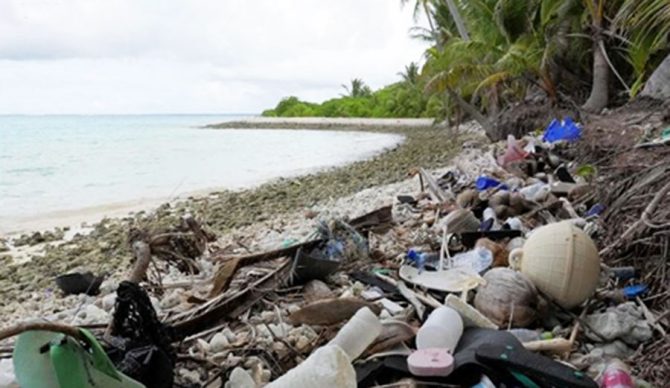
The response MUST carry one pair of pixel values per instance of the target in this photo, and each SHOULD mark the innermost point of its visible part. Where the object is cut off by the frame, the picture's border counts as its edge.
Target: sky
(194, 56)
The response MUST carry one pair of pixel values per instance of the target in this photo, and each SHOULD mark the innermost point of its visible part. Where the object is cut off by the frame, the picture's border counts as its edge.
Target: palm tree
(358, 88)
(427, 7)
(646, 25)
(599, 96)
(411, 74)
(420, 5)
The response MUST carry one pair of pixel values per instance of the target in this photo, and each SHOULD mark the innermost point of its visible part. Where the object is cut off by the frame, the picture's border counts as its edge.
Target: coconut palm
(645, 24)
(428, 7)
(411, 74)
(358, 88)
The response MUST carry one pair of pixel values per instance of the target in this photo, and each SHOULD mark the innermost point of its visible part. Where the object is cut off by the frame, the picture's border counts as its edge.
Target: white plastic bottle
(442, 329)
(357, 334)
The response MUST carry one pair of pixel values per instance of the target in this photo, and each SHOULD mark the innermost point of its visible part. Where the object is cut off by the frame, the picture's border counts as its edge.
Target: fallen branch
(224, 275)
(42, 326)
(211, 313)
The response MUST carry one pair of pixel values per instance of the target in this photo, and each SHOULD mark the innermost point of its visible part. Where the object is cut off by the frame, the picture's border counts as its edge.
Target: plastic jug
(442, 329)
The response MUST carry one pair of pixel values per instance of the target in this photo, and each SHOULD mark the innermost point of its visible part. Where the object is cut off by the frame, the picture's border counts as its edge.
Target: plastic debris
(484, 183)
(564, 130)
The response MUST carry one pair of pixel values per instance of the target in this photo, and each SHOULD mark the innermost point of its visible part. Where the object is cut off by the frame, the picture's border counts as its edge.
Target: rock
(191, 376)
(171, 300)
(316, 290)
(218, 343)
(202, 345)
(108, 285)
(92, 314)
(302, 342)
(230, 335)
(623, 322)
(3, 245)
(268, 316)
(240, 378)
(617, 349)
(280, 330)
(108, 302)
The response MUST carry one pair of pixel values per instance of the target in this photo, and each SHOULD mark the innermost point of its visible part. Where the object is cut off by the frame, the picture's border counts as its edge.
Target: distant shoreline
(333, 123)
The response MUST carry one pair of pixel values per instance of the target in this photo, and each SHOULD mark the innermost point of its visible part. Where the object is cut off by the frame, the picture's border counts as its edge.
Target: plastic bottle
(357, 334)
(478, 259)
(536, 191)
(616, 375)
(421, 259)
(484, 182)
(442, 329)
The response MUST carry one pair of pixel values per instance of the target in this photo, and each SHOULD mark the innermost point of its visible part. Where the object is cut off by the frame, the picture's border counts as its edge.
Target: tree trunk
(430, 20)
(453, 10)
(470, 109)
(658, 85)
(600, 88)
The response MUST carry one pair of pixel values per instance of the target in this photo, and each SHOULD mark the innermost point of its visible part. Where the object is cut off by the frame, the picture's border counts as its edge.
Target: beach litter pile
(500, 271)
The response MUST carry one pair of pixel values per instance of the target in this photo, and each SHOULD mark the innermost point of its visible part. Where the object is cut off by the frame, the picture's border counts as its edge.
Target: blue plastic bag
(565, 130)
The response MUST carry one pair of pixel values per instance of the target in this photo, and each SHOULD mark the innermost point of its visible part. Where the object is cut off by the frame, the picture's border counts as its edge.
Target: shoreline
(13, 226)
(104, 247)
(76, 217)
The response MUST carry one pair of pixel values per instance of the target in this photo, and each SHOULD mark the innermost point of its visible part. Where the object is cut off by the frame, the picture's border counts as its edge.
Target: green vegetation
(401, 99)
(486, 55)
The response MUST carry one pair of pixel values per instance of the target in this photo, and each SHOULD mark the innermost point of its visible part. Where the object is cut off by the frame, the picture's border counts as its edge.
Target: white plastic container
(442, 329)
(328, 366)
(357, 334)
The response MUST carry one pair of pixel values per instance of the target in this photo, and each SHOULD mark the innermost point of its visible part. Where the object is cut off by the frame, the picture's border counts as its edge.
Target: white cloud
(134, 56)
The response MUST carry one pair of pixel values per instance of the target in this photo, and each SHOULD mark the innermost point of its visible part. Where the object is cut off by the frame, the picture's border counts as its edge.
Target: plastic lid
(430, 362)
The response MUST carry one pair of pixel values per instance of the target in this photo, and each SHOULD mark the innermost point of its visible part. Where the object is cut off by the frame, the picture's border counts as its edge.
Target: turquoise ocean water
(61, 163)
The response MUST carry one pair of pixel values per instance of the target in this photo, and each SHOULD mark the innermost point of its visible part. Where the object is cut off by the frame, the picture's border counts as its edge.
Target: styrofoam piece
(430, 362)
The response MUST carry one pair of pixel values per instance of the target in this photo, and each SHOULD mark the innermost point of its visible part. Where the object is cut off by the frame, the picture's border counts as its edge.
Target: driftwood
(226, 272)
(220, 308)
